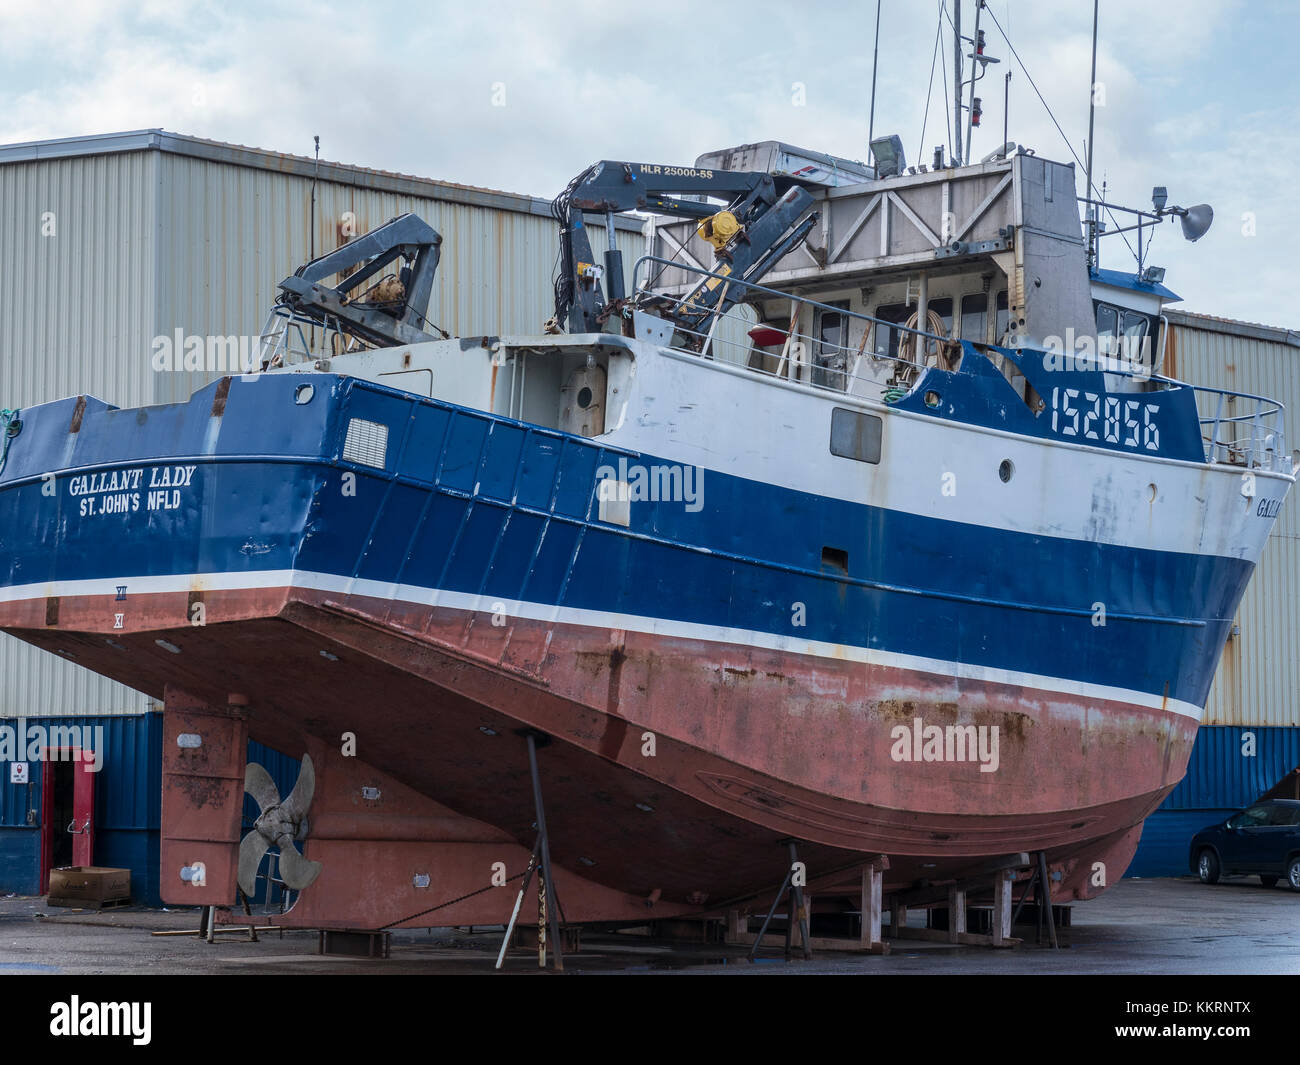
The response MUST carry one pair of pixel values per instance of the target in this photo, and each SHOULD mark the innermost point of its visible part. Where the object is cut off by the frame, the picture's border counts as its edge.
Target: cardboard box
(90, 883)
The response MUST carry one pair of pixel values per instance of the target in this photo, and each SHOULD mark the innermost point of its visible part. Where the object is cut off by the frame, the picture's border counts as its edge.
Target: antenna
(956, 82)
(875, 58)
(314, 176)
(1006, 105)
(1092, 114)
(979, 63)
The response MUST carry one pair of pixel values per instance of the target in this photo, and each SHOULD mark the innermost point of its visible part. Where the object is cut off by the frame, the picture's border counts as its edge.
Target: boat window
(1107, 326)
(943, 308)
(900, 313)
(1003, 320)
(830, 361)
(1134, 327)
(887, 339)
(974, 317)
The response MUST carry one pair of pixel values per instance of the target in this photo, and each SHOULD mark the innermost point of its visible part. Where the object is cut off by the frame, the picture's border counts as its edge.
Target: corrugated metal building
(109, 242)
(1259, 680)
(1250, 738)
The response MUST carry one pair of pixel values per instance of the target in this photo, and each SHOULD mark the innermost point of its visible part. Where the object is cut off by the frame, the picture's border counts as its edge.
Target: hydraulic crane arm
(760, 223)
(389, 312)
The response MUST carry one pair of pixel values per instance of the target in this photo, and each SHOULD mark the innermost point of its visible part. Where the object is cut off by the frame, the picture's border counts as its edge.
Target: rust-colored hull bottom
(676, 767)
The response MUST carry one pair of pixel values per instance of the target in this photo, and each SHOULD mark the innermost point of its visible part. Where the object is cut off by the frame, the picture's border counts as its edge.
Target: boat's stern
(124, 520)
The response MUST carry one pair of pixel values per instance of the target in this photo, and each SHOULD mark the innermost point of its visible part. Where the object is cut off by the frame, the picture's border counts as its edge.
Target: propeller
(278, 825)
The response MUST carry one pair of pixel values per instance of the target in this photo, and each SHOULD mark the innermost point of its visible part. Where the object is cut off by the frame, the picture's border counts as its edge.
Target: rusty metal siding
(75, 309)
(1258, 682)
(228, 234)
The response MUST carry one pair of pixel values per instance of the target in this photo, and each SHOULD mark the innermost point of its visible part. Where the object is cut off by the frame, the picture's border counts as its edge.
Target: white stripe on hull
(324, 582)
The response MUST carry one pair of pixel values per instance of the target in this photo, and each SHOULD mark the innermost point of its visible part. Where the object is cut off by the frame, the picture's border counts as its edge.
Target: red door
(67, 810)
(83, 809)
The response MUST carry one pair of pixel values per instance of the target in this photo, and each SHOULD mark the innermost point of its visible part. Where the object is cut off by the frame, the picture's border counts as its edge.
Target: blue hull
(479, 504)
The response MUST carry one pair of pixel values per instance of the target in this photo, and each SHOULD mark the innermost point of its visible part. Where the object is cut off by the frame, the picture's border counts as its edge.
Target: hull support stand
(792, 890)
(548, 907)
(1043, 896)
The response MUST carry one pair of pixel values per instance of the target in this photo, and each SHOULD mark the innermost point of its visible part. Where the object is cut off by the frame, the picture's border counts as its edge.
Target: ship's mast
(1092, 114)
(974, 69)
(958, 81)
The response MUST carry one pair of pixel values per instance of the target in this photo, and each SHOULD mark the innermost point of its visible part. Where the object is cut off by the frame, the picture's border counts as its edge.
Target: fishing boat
(860, 532)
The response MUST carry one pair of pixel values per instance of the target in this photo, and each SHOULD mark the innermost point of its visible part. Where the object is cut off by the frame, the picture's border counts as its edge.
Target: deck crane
(764, 218)
(390, 311)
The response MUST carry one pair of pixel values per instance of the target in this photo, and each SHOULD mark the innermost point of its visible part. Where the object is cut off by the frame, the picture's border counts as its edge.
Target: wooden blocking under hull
(204, 751)
(995, 923)
(1000, 934)
(871, 938)
(866, 880)
(348, 943)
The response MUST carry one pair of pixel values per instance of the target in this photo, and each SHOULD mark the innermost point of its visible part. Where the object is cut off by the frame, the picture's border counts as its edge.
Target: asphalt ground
(1164, 926)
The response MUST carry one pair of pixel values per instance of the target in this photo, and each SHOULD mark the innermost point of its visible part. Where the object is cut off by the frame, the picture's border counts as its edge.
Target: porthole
(1006, 470)
(584, 397)
(932, 398)
(303, 393)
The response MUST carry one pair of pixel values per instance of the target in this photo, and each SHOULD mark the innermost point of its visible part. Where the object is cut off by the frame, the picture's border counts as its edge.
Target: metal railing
(1263, 446)
(922, 345)
(284, 339)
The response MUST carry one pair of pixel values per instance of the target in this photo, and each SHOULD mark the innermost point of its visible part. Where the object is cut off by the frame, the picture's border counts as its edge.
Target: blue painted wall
(1165, 838)
(20, 861)
(128, 801)
(128, 791)
(1222, 776)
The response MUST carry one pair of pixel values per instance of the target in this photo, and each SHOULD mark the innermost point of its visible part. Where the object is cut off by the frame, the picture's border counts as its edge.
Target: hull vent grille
(366, 443)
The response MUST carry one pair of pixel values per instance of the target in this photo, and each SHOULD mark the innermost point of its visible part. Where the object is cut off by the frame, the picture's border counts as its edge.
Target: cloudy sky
(1198, 94)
